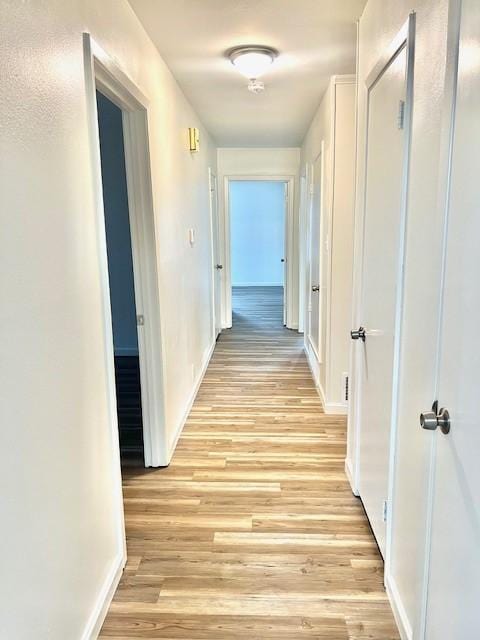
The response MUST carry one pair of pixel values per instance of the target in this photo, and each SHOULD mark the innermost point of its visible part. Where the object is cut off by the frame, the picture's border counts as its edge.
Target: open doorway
(258, 216)
(121, 282)
(131, 322)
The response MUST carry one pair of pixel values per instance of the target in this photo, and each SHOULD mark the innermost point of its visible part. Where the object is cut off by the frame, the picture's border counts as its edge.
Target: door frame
(302, 250)
(103, 73)
(215, 250)
(320, 358)
(289, 243)
(405, 38)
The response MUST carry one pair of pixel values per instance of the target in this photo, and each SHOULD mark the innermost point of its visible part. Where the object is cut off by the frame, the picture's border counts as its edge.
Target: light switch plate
(191, 236)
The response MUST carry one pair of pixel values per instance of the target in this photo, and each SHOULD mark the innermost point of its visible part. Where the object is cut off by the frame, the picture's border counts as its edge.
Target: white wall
(261, 162)
(257, 232)
(334, 125)
(380, 22)
(60, 511)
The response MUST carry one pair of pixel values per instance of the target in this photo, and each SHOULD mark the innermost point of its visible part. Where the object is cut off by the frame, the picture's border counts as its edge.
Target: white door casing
(217, 266)
(102, 72)
(315, 293)
(291, 254)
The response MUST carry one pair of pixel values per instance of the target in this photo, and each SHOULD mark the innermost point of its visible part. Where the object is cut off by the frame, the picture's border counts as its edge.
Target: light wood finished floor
(252, 532)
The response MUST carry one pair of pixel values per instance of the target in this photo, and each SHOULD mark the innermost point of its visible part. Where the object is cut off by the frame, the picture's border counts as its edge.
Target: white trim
(102, 72)
(214, 235)
(109, 361)
(353, 401)
(290, 254)
(399, 612)
(330, 408)
(302, 247)
(191, 400)
(408, 32)
(105, 597)
(350, 476)
(310, 191)
(336, 408)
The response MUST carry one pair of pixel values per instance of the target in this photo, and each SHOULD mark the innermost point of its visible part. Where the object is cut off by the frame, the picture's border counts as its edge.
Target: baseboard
(398, 609)
(313, 366)
(191, 400)
(330, 408)
(336, 408)
(104, 599)
(349, 474)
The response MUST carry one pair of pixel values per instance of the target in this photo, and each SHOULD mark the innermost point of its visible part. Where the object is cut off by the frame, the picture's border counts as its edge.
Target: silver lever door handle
(315, 288)
(359, 334)
(430, 420)
(219, 266)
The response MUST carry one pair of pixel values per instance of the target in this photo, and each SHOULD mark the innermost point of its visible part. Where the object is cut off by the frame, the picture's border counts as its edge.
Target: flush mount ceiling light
(252, 62)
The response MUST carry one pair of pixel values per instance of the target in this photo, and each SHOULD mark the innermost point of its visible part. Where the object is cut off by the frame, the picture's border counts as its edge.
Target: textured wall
(60, 508)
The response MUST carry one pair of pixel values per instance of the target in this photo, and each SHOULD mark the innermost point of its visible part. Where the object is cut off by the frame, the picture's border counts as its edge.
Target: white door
(284, 258)
(217, 264)
(303, 261)
(380, 277)
(453, 606)
(315, 232)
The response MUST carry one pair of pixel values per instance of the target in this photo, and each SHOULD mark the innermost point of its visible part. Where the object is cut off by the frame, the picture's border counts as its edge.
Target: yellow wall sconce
(194, 139)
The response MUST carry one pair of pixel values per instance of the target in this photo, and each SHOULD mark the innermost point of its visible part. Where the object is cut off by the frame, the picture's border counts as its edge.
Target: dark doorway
(121, 280)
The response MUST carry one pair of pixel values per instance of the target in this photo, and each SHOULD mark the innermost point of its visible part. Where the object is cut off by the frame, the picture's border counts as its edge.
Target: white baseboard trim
(398, 609)
(104, 599)
(330, 408)
(336, 408)
(191, 400)
(349, 473)
(313, 366)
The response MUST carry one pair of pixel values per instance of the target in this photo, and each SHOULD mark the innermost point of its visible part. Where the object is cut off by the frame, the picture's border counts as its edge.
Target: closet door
(453, 604)
(382, 242)
(315, 256)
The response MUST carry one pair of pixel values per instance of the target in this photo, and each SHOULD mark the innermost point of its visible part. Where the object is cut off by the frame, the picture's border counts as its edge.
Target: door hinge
(140, 321)
(384, 511)
(401, 114)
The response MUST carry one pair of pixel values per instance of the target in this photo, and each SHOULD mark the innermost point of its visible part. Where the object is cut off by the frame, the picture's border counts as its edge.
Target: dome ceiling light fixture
(253, 61)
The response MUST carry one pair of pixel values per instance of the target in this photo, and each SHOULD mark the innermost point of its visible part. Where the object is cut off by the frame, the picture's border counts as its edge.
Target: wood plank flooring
(252, 532)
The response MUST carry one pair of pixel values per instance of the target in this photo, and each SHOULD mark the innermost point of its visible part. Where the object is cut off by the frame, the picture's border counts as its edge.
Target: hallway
(252, 531)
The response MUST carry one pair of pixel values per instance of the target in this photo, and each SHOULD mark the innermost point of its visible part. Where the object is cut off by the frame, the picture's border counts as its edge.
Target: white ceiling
(316, 39)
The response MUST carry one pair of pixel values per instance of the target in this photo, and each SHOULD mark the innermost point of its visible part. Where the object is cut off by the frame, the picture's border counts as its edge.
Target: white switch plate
(191, 236)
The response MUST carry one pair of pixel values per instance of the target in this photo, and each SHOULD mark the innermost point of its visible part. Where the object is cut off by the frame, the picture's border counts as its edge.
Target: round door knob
(428, 420)
(359, 334)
